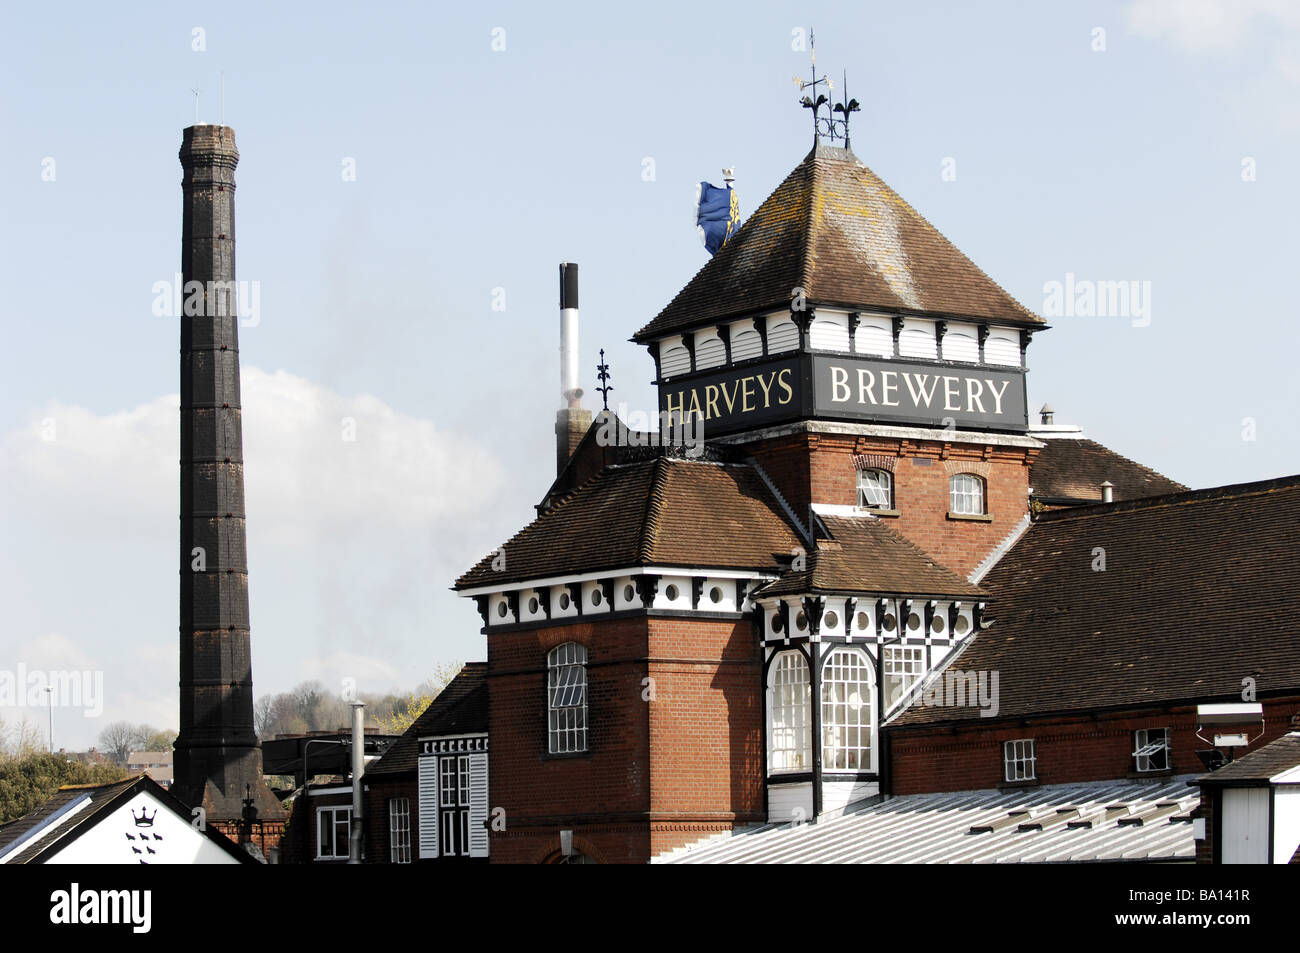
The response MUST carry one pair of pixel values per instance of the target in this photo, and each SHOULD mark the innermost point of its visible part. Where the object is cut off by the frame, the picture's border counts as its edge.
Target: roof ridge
(1136, 463)
(653, 513)
(807, 265)
(1205, 495)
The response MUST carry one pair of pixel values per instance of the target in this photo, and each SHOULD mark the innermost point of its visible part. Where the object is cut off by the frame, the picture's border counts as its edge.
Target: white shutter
(478, 804)
(428, 806)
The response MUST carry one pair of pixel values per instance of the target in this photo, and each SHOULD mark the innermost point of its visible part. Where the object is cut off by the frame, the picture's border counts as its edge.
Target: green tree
(28, 781)
(406, 710)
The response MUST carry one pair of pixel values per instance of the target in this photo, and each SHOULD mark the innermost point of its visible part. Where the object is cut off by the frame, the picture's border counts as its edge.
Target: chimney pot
(1107, 492)
(1047, 415)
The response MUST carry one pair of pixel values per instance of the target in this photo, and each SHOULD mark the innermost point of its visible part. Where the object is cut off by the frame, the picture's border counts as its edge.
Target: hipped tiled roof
(836, 230)
(1069, 469)
(659, 512)
(1198, 592)
(864, 555)
(461, 708)
(1267, 762)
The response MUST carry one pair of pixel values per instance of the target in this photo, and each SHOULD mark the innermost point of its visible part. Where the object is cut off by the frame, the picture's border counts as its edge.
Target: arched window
(876, 489)
(790, 740)
(566, 698)
(848, 709)
(967, 494)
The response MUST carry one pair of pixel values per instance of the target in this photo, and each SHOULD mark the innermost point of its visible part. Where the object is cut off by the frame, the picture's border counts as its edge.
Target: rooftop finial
(602, 374)
(814, 99)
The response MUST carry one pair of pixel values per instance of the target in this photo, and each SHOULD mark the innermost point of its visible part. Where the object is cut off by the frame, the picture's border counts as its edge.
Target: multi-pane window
(847, 711)
(876, 489)
(967, 494)
(1019, 760)
(1151, 749)
(904, 664)
(566, 691)
(790, 745)
(399, 830)
(333, 825)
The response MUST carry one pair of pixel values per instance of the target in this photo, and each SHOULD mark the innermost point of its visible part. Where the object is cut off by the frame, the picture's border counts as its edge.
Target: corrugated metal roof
(1061, 823)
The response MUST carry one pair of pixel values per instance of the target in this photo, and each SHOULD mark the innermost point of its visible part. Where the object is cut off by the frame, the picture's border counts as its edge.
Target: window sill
(971, 517)
(875, 511)
(565, 755)
(1013, 785)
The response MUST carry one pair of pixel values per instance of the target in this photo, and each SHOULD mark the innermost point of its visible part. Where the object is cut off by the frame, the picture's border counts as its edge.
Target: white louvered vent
(829, 333)
(709, 350)
(1003, 347)
(961, 343)
(745, 342)
(875, 335)
(429, 806)
(674, 359)
(782, 335)
(478, 804)
(917, 339)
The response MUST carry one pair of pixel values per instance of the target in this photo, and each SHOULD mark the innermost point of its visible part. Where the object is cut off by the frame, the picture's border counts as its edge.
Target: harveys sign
(846, 387)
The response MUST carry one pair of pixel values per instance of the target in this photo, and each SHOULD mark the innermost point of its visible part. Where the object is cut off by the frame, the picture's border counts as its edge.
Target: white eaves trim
(1000, 550)
(522, 585)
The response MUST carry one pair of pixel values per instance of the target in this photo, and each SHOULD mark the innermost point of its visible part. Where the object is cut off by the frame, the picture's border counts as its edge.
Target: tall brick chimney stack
(571, 422)
(218, 760)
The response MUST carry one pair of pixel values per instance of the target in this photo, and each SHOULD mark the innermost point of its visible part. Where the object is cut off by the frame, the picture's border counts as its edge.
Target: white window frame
(874, 480)
(566, 699)
(967, 494)
(1019, 760)
(332, 810)
(848, 712)
(789, 714)
(1148, 743)
(399, 830)
(903, 667)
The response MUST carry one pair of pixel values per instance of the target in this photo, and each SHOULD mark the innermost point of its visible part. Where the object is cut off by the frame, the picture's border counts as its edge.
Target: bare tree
(120, 738)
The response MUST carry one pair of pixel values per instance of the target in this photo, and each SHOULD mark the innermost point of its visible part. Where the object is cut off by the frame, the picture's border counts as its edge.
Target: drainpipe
(358, 769)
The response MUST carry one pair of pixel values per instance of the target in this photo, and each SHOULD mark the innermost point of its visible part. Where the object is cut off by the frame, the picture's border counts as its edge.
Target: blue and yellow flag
(717, 215)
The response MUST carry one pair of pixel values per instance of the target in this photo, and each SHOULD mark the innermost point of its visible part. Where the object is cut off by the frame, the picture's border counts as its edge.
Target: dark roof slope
(664, 511)
(864, 555)
(1072, 470)
(836, 230)
(1268, 761)
(1198, 591)
(461, 708)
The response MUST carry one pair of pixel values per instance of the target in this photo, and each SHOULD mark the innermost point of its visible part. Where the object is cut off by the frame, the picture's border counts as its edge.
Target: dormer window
(876, 489)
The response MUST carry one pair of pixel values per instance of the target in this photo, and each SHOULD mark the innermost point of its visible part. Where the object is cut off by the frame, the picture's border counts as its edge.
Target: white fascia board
(468, 734)
(844, 509)
(520, 586)
(933, 435)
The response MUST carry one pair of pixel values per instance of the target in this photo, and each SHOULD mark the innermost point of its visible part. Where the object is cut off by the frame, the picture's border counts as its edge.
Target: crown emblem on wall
(145, 819)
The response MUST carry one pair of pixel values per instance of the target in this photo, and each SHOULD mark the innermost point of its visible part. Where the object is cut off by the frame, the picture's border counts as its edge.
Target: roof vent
(1047, 414)
(1107, 492)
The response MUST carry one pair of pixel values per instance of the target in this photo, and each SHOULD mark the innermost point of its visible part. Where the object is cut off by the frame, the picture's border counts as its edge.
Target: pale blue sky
(480, 169)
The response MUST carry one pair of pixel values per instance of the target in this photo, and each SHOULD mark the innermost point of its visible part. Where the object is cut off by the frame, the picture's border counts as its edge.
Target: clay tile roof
(1260, 765)
(658, 512)
(1198, 591)
(1072, 470)
(836, 230)
(461, 708)
(865, 555)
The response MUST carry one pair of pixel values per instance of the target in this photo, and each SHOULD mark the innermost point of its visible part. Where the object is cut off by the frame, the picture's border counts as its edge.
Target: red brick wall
(819, 468)
(541, 793)
(1069, 749)
(660, 771)
(706, 729)
(376, 797)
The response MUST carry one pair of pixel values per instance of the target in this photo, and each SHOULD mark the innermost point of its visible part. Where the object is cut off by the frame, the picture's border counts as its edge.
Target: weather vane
(602, 374)
(814, 98)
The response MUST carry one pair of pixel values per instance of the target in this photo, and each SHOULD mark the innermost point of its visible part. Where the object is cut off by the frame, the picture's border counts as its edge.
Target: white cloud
(352, 543)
